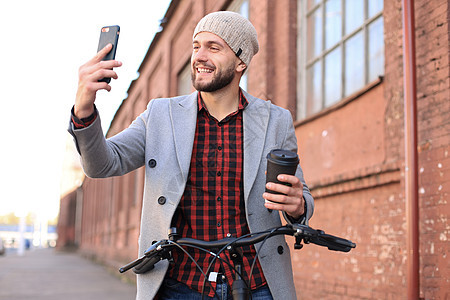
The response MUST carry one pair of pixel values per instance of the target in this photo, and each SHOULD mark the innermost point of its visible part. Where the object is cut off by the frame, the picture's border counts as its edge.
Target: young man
(205, 159)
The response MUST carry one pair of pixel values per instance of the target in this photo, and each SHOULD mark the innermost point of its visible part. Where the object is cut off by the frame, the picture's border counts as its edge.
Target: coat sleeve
(115, 156)
(291, 144)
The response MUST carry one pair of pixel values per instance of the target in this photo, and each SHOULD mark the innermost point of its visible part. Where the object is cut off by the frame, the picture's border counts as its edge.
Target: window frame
(303, 65)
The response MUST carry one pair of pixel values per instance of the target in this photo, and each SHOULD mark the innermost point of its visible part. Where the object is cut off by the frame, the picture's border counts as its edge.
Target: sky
(42, 45)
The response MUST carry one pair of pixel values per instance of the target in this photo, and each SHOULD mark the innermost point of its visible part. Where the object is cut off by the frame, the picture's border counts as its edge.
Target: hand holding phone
(109, 35)
(90, 75)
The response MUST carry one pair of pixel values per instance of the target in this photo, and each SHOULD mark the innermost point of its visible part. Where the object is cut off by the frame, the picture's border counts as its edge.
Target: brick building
(339, 69)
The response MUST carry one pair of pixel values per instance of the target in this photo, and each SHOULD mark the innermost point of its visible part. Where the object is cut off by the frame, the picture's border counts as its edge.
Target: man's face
(213, 63)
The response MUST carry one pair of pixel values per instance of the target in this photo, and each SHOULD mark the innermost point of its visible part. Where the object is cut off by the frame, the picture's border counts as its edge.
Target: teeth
(202, 70)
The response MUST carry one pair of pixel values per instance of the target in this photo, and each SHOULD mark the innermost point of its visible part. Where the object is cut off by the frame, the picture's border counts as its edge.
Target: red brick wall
(360, 194)
(352, 154)
(111, 218)
(66, 221)
(272, 73)
(433, 102)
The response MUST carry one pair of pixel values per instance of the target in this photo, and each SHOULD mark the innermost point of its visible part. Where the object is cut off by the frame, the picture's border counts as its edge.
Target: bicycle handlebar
(160, 250)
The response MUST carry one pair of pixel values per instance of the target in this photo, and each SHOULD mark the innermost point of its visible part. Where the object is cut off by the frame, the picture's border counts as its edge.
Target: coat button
(152, 163)
(162, 200)
(280, 250)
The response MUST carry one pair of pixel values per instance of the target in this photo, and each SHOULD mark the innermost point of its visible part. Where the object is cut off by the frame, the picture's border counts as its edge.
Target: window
(341, 49)
(184, 80)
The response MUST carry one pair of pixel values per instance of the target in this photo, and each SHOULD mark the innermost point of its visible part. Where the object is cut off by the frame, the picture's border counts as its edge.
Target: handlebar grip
(146, 262)
(131, 265)
(146, 265)
(333, 242)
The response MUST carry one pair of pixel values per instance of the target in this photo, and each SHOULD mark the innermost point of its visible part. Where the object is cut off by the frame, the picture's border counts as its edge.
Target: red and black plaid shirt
(212, 206)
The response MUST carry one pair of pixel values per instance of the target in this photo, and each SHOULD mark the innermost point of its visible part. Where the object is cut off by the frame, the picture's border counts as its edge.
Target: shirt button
(219, 174)
(219, 224)
(220, 148)
(228, 234)
(219, 198)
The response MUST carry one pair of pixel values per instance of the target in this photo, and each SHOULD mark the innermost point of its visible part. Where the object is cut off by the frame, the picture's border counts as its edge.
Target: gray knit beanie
(234, 29)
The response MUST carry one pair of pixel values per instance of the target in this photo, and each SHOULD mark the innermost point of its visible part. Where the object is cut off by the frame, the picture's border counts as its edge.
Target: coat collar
(183, 115)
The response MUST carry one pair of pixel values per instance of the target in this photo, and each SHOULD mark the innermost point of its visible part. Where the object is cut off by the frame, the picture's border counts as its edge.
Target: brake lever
(139, 263)
(154, 247)
(302, 233)
(305, 232)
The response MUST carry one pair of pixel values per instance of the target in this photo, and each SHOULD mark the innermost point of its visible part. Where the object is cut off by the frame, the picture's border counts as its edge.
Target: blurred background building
(338, 66)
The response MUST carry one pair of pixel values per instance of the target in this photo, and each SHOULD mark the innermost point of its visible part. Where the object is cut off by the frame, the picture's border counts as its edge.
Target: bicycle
(240, 289)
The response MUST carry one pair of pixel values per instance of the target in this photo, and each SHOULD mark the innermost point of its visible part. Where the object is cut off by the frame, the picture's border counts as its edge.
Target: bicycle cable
(232, 242)
(217, 255)
(256, 257)
(214, 255)
(196, 264)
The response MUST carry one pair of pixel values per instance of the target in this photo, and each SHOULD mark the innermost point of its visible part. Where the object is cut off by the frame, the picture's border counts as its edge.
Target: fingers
(100, 68)
(93, 86)
(89, 75)
(96, 62)
(101, 54)
(92, 73)
(98, 57)
(291, 198)
(294, 208)
(293, 182)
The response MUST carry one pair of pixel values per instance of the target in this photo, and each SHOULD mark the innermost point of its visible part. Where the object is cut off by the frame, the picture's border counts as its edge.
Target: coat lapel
(256, 117)
(184, 119)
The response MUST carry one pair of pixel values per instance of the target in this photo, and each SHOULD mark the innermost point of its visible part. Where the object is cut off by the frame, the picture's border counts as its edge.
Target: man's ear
(241, 66)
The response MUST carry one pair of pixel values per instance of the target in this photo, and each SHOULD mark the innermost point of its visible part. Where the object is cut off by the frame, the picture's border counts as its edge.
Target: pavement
(48, 274)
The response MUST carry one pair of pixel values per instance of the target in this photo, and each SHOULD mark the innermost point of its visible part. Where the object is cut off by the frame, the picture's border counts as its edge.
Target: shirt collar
(242, 101)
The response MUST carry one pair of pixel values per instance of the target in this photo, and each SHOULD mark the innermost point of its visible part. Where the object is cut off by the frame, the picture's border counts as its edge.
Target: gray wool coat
(163, 135)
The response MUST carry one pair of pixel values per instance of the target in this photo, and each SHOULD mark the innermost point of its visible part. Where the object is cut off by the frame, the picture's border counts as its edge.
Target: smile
(204, 70)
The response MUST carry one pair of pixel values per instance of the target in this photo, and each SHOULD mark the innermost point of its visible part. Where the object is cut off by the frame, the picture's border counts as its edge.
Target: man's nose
(200, 55)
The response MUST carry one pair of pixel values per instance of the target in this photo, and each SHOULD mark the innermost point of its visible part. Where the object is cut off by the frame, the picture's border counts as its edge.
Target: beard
(221, 80)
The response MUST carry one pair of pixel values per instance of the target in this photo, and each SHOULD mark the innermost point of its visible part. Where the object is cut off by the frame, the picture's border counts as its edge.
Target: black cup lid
(282, 156)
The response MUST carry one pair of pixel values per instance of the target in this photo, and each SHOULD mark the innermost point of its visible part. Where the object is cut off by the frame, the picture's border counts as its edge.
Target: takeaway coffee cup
(280, 161)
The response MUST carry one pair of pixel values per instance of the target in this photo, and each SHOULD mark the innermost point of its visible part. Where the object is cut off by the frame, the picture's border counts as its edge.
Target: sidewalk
(46, 274)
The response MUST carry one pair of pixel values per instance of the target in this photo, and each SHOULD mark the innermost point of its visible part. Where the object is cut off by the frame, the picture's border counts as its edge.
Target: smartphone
(109, 34)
